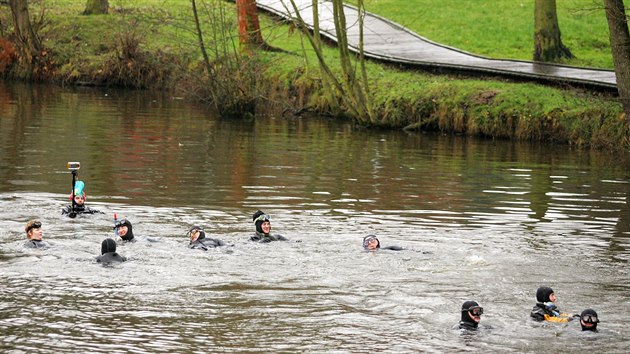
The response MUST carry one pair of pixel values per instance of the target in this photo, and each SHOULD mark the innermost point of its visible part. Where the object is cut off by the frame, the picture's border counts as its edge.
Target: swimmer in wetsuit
(78, 207)
(546, 309)
(108, 253)
(589, 320)
(198, 239)
(34, 234)
(263, 229)
(371, 243)
(471, 315)
(124, 230)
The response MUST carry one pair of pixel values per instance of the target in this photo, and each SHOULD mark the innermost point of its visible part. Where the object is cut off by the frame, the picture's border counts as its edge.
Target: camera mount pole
(74, 181)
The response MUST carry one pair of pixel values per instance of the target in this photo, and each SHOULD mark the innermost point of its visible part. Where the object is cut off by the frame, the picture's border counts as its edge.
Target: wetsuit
(110, 257)
(79, 209)
(470, 326)
(206, 243)
(545, 309)
(36, 244)
(129, 237)
(265, 238)
(367, 238)
(108, 253)
(392, 248)
(549, 312)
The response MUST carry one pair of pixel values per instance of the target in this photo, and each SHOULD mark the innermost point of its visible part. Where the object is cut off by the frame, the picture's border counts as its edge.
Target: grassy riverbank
(503, 28)
(151, 43)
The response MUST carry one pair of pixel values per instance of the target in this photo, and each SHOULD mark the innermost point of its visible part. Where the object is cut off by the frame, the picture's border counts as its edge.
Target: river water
(484, 220)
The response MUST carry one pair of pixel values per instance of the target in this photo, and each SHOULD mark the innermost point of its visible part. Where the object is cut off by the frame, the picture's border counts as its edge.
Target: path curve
(388, 41)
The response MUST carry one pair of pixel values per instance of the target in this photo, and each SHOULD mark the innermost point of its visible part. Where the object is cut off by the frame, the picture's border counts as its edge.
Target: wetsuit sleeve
(89, 210)
(393, 248)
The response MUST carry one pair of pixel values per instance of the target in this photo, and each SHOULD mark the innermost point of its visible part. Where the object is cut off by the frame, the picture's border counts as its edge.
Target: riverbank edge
(402, 98)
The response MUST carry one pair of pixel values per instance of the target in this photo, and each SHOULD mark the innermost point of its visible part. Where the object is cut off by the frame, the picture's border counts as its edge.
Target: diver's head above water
(196, 233)
(124, 229)
(471, 313)
(589, 320)
(108, 245)
(33, 230)
(79, 193)
(262, 222)
(545, 294)
(371, 242)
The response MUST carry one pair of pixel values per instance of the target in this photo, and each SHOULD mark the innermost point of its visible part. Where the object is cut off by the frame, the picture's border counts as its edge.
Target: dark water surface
(480, 219)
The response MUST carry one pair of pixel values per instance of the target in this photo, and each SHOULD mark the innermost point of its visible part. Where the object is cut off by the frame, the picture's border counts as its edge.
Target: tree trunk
(356, 87)
(202, 46)
(248, 25)
(620, 47)
(96, 7)
(29, 45)
(316, 35)
(364, 75)
(548, 46)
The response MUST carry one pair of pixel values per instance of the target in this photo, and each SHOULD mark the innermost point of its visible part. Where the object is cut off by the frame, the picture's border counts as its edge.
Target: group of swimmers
(544, 310)
(196, 234)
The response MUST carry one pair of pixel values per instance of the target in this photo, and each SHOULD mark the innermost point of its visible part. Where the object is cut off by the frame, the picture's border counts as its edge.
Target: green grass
(503, 28)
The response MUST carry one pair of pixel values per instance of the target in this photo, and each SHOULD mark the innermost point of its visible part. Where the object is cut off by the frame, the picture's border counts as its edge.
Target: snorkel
(74, 167)
(115, 227)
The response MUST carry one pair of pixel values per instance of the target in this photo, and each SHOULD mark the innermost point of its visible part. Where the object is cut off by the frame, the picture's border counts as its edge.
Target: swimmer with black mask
(546, 309)
(263, 234)
(108, 253)
(589, 320)
(198, 239)
(471, 315)
(371, 243)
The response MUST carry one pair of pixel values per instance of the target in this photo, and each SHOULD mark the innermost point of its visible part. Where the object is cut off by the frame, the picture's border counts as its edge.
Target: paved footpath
(390, 42)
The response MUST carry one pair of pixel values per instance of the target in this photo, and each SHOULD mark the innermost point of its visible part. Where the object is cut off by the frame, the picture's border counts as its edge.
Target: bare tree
(202, 45)
(352, 89)
(96, 7)
(548, 45)
(620, 47)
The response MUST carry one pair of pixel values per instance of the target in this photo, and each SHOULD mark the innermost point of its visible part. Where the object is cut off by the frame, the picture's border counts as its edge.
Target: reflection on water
(483, 220)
